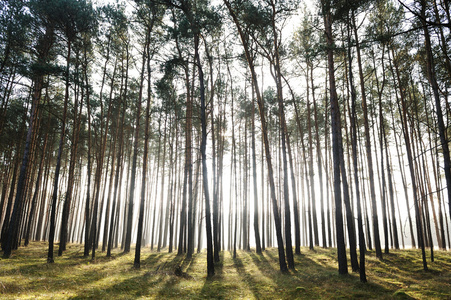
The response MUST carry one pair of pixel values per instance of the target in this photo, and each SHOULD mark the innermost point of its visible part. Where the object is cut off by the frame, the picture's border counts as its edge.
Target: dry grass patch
(27, 275)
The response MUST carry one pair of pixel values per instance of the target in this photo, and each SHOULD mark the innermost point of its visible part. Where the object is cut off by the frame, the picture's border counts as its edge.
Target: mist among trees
(183, 125)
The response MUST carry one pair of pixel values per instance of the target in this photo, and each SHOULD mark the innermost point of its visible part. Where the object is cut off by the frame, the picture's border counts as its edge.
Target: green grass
(27, 275)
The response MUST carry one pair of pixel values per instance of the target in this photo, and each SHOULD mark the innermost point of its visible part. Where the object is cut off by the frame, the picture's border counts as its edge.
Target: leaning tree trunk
(277, 221)
(402, 108)
(430, 68)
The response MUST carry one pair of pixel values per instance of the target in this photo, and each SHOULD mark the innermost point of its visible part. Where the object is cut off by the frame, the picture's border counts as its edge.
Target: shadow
(220, 286)
(167, 276)
(132, 288)
(150, 275)
(188, 264)
(153, 260)
(176, 271)
(219, 267)
(252, 284)
(315, 275)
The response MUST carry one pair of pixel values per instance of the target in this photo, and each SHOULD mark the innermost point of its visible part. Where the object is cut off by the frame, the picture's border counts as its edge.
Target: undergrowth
(27, 275)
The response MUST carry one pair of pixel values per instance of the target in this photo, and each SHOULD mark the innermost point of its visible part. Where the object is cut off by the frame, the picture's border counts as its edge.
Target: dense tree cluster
(160, 122)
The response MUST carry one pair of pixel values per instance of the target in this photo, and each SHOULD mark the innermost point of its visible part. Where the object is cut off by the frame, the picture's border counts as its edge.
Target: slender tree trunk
(12, 227)
(402, 108)
(188, 170)
(355, 156)
(375, 219)
(258, 247)
(160, 231)
(70, 187)
(98, 175)
(244, 40)
(58, 160)
(210, 258)
(293, 182)
(430, 68)
(137, 262)
(336, 136)
(89, 170)
(311, 172)
(216, 224)
(245, 191)
(34, 201)
(131, 196)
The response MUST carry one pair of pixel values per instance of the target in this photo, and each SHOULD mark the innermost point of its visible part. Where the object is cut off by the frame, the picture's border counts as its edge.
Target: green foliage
(15, 27)
(340, 9)
(198, 17)
(14, 124)
(305, 44)
(385, 20)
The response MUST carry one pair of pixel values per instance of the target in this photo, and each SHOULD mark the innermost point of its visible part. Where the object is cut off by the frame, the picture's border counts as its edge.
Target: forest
(227, 125)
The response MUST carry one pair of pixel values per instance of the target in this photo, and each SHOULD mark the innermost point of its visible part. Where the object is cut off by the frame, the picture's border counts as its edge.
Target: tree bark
(282, 262)
(336, 137)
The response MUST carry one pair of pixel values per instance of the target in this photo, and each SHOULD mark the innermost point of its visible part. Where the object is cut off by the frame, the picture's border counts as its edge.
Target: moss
(26, 275)
(401, 294)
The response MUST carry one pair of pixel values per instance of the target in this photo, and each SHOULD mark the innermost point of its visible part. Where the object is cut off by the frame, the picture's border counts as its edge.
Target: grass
(27, 275)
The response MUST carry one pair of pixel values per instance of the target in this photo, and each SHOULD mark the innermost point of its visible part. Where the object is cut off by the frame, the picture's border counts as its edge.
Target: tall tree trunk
(188, 171)
(58, 159)
(245, 191)
(45, 44)
(131, 195)
(37, 184)
(244, 41)
(216, 224)
(319, 162)
(258, 247)
(311, 172)
(203, 117)
(160, 230)
(98, 175)
(89, 168)
(375, 219)
(383, 144)
(137, 262)
(297, 233)
(402, 108)
(336, 137)
(430, 68)
(355, 156)
(70, 185)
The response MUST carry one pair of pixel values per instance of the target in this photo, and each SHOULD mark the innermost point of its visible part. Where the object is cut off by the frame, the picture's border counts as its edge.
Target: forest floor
(27, 275)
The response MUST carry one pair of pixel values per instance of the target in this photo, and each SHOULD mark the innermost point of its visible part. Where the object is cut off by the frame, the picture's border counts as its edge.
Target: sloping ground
(26, 275)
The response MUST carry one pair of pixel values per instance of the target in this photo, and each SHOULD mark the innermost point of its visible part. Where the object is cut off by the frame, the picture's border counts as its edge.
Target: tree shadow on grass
(220, 286)
(248, 276)
(178, 281)
(253, 285)
(70, 259)
(129, 287)
(155, 261)
(317, 278)
(404, 268)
